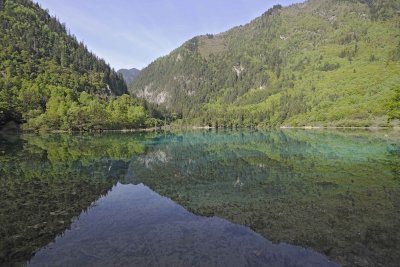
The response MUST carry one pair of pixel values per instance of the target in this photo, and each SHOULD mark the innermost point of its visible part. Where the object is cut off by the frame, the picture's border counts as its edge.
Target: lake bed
(201, 198)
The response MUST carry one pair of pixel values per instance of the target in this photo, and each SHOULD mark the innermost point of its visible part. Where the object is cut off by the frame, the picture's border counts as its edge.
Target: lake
(201, 198)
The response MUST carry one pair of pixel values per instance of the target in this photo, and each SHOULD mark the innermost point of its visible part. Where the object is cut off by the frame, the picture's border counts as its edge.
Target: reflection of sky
(130, 33)
(134, 226)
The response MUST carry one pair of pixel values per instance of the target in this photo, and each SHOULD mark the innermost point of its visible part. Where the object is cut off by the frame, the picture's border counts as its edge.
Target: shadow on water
(337, 193)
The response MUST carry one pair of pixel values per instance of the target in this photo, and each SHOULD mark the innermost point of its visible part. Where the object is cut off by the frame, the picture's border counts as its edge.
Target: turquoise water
(204, 198)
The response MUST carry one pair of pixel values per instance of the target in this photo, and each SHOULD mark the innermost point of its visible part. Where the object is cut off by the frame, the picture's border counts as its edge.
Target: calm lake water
(204, 198)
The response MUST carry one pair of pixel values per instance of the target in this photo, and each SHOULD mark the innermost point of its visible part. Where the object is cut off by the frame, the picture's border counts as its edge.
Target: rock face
(129, 75)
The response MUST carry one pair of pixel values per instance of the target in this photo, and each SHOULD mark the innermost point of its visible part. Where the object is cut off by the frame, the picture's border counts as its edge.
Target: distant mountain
(129, 75)
(322, 62)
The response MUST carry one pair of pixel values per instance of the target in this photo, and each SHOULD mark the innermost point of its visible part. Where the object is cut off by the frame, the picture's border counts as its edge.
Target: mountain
(322, 62)
(49, 80)
(129, 75)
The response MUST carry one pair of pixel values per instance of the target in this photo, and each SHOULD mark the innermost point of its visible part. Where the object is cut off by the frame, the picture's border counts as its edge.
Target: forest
(318, 63)
(50, 81)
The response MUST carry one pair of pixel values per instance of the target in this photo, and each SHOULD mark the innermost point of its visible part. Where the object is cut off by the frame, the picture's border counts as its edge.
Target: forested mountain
(322, 62)
(49, 80)
(129, 75)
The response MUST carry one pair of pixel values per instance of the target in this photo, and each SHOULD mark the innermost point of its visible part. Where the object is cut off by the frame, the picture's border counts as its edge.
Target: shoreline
(105, 131)
(187, 127)
(340, 127)
(164, 128)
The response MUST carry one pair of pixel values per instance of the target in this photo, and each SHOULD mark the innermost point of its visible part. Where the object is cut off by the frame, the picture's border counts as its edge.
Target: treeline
(38, 55)
(66, 110)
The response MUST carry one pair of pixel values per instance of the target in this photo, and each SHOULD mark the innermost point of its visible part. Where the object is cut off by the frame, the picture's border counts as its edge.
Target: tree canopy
(49, 80)
(327, 63)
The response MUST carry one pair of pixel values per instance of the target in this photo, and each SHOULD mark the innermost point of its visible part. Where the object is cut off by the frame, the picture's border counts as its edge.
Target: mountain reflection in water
(134, 226)
(333, 192)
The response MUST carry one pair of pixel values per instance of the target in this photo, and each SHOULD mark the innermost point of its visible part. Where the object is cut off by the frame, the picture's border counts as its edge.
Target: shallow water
(135, 226)
(227, 198)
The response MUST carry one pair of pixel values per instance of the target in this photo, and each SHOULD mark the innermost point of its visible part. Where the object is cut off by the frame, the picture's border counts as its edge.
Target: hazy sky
(133, 33)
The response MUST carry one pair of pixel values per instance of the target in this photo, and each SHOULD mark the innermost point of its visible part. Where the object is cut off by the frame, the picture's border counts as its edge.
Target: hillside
(322, 62)
(129, 75)
(49, 80)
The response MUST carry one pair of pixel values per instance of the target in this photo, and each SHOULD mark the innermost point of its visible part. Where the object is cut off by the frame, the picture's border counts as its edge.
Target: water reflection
(337, 193)
(134, 226)
(48, 180)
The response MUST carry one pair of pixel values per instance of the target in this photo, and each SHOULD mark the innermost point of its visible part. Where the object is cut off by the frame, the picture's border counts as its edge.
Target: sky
(133, 33)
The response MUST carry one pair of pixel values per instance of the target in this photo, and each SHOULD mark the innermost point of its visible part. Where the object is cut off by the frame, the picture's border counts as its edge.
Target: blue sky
(133, 33)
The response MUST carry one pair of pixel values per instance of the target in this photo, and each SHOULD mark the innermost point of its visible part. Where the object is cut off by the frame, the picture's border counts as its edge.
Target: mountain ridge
(129, 74)
(50, 81)
(279, 68)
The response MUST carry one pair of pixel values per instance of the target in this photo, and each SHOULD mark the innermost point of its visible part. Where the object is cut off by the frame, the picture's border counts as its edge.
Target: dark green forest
(318, 63)
(49, 80)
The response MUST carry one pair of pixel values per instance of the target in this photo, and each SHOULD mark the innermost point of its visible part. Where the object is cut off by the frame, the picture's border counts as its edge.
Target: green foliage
(394, 112)
(382, 9)
(37, 56)
(85, 112)
(396, 53)
(325, 63)
(329, 66)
